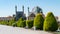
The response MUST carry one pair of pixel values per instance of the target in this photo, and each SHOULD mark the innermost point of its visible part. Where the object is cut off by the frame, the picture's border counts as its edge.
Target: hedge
(21, 23)
(29, 23)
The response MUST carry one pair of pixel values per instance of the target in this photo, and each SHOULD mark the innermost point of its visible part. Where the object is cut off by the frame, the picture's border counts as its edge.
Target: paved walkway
(16, 30)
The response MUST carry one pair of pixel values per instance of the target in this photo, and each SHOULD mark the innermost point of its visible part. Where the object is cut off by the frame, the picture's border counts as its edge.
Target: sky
(7, 7)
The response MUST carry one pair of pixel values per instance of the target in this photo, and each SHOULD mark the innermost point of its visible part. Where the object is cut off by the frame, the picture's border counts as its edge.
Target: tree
(21, 22)
(10, 22)
(38, 21)
(50, 23)
(29, 23)
(4, 22)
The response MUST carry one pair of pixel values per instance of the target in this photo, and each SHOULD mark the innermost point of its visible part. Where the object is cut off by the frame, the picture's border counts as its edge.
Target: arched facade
(33, 13)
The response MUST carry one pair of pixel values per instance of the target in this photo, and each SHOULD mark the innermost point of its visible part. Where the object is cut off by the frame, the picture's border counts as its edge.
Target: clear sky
(7, 7)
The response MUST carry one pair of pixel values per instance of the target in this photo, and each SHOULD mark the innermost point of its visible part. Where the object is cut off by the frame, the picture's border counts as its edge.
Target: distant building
(19, 14)
(6, 18)
(33, 13)
(58, 19)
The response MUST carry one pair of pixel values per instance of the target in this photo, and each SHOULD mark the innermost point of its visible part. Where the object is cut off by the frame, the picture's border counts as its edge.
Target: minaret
(16, 12)
(23, 8)
(28, 14)
(28, 10)
(16, 8)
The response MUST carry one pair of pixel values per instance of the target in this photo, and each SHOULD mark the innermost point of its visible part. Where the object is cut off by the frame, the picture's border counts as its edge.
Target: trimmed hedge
(10, 22)
(50, 23)
(4, 22)
(38, 21)
(21, 23)
(14, 24)
(29, 23)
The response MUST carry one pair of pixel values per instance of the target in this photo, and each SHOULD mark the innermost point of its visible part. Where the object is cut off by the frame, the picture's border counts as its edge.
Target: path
(16, 30)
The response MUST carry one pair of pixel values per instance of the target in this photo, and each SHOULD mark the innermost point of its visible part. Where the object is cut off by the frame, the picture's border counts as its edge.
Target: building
(19, 14)
(58, 19)
(6, 18)
(33, 13)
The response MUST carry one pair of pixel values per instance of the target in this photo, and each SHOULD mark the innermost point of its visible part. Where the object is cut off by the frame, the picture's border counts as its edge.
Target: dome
(37, 10)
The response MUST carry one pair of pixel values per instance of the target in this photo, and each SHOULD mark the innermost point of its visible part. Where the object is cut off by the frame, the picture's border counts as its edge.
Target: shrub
(11, 22)
(21, 22)
(29, 23)
(4, 22)
(38, 21)
(14, 24)
(50, 23)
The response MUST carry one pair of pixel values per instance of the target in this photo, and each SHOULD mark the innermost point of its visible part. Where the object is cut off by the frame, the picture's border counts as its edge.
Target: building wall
(6, 18)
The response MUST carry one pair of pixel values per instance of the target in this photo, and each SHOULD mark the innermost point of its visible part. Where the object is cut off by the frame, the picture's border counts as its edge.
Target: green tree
(11, 22)
(21, 22)
(50, 23)
(4, 22)
(29, 23)
(38, 21)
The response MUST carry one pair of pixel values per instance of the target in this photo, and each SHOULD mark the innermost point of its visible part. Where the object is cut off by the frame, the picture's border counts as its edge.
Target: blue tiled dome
(37, 10)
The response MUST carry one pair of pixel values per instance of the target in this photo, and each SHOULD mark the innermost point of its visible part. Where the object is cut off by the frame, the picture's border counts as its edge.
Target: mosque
(19, 14)
(31, 14)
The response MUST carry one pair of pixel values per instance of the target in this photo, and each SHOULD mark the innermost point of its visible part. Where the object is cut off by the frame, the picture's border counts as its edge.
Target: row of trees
(48, 23)
(24, 23)
(7, 22)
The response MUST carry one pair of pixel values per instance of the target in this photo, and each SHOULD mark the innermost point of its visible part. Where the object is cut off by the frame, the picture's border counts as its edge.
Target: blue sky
(7, 7)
